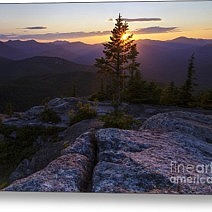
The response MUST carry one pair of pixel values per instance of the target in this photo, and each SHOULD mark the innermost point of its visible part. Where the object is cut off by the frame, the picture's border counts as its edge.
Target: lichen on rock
(127, 161)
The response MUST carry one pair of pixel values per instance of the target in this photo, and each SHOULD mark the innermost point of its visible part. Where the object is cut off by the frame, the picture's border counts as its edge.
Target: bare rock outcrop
(79, 128)
(52, 150)
(62, 107)
(198, 125)
(146, 161)
(69, 173)
(171, 153)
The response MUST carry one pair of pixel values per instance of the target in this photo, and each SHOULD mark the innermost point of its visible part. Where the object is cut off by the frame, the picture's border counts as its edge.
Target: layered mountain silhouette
(29, 81)
(161, 61)
(30, 70)
(165, 61)
(38, 65)
(73, 51)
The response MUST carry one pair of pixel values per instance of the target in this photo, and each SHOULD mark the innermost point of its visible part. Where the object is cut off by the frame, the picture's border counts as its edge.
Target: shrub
(49, 115)
(204, 100)
(66, 145)
(3, 184)
(100, 96)
(84, 111)
(14, 150)
(9, 109)
(118, 120)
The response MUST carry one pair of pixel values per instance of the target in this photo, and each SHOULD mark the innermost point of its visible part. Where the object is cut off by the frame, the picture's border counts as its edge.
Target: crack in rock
(127, 161)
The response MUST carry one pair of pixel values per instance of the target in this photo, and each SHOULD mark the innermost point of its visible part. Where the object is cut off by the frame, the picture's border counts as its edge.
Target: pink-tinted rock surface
(146, 160)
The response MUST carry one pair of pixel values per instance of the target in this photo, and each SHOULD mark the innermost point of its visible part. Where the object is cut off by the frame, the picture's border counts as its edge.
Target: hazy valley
(31, 71)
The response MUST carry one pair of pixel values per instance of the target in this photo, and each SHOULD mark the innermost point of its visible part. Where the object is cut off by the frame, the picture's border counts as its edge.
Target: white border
(68, 202)
(61, 202)
(44, 1)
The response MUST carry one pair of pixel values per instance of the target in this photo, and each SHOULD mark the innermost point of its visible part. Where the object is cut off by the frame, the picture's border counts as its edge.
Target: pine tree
(186, 91)
(205, 99)
(135, 89)
(168, 94)
(74, 90)
(102, 90)
(152, 93)
(119, 61)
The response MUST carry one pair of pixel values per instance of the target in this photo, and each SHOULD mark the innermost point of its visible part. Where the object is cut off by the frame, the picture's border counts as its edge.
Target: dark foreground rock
(169, 154)
(38, 161)
(79, 128)
(69, 173)
(144, 111)
(66, 174)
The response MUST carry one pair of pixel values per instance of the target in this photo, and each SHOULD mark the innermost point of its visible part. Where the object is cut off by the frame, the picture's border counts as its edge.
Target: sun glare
(125, 36)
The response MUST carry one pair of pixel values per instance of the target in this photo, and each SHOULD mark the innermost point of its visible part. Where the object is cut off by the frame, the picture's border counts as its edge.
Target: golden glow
(204, 34)
(125, 36)
(191, 33)
(92, 39)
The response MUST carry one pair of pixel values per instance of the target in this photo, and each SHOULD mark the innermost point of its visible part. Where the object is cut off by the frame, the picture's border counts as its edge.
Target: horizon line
(66, 40)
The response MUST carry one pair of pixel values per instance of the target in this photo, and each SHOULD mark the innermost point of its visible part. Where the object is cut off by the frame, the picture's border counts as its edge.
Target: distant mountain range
(165, 61)
(76, 51)
(31, 71)
(161, 61)
(38, 65)
(28, 82)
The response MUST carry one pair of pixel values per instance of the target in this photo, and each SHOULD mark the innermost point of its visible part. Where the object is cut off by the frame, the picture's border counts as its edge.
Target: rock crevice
(114, 160)
(70, 172)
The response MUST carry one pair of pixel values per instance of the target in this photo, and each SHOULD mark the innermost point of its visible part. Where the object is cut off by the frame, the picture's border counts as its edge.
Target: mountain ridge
(37, 65)
(28, 82)
(161, 61)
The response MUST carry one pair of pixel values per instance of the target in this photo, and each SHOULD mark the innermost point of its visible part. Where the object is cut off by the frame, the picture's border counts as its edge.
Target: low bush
(84, 111)
(118, 120)
(14, 150)
(49, 115)
(3, 184)
(99, 96)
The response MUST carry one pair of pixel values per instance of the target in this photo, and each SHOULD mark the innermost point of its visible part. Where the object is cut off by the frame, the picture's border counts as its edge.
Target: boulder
(103, 109)
(55, 102)
(79, 128)
(145, 111)
(19, 123)
(45, 155)
(141, 161)
(39, 160)
(164, 156)
(83, 145)
(62, 106)
(14, 122)
(33, 113)
(21, 171)
(59, 105)
(198, 125)
(47, 152)
(70, 172)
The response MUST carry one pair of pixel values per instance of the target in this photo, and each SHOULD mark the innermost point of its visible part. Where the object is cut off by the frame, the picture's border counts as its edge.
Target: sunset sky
(92, 22)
